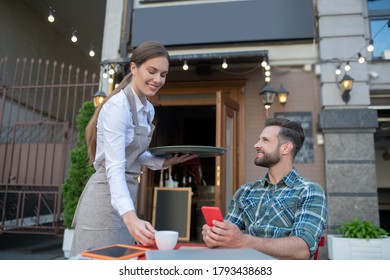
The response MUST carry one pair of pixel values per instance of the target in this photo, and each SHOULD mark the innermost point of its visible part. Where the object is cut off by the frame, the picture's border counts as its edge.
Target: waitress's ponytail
(91, 129)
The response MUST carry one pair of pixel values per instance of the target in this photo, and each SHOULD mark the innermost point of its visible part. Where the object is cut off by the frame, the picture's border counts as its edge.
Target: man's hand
(226, 234)
(223, 234)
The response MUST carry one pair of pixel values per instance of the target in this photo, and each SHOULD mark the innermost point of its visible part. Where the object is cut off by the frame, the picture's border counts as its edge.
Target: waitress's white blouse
(115, 130)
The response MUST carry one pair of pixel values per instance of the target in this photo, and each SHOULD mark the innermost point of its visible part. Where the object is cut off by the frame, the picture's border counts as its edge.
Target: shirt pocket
(282, 212)
(248, 207)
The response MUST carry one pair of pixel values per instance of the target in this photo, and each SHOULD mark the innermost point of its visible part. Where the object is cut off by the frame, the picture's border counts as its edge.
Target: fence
(38, 107)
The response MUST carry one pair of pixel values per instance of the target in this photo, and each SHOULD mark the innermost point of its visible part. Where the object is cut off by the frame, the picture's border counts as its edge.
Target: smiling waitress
(118, 136)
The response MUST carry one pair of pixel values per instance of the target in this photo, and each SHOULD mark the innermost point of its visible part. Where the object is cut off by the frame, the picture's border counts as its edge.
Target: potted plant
(77, 174)
(359, 239)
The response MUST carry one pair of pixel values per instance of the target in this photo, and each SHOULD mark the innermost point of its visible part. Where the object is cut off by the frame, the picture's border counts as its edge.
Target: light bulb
(347, 67)
(111, 71)
(267, 67)
(361, 58)
(110, 80)
(74, 36)
(267, 73)
(338, 70)
(224, 64)
(264, 63)
(267, 79)
(185, 65)
(51, 18)
(105, 75)
(370, 47)
(91, 52)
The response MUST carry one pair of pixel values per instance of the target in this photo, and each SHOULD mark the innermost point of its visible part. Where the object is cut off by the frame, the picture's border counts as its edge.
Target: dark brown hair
(142, 53)
(290, 131)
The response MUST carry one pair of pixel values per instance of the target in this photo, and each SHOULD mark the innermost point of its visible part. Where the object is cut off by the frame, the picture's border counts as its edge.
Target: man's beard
(269, 159)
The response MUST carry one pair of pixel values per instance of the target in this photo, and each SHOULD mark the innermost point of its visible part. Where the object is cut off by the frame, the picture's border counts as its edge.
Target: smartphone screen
(114, 252)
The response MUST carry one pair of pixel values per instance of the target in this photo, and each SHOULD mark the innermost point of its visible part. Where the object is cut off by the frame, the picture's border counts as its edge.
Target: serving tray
(201, 151)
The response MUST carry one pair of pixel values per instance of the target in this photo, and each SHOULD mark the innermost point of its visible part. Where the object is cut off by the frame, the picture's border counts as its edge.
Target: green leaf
(79, 170)
(357, 228)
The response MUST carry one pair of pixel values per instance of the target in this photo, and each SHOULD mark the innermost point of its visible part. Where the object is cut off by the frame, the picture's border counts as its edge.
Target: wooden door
(226, 169)
(226, 96)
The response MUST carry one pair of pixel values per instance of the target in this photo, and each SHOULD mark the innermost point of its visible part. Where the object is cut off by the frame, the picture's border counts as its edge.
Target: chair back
(320, 244)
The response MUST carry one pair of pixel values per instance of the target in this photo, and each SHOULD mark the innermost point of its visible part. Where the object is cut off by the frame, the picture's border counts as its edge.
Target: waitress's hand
(178, 159)
(142, 231)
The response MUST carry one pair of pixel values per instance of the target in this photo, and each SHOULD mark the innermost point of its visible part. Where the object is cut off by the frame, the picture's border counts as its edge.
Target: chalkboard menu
(306, 154)
(172, 210)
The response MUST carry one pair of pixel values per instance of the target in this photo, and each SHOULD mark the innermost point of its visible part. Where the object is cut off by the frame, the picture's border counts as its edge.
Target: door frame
(227, 109)
(196, 94)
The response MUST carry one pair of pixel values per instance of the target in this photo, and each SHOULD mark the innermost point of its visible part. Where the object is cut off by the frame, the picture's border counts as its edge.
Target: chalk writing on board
(306, 154)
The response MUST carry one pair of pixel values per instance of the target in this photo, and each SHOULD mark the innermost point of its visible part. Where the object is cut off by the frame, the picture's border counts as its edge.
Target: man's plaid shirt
(293, 207)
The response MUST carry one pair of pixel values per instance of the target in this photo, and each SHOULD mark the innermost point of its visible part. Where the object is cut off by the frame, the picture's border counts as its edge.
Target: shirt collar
(138, 104)
(288, 180)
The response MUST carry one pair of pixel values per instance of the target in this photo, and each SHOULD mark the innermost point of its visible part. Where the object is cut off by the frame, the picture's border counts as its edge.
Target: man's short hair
(290, 131)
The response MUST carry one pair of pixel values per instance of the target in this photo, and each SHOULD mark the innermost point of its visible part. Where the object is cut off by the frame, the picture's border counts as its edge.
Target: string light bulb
(105, 75)
(91, 51)
(51, 17)
(338, 70)
(224, 64)
(264, 62)
(74, 36)
(370, 47)
(185, 65)
(361, 58)
(347, 67)
(111, 71)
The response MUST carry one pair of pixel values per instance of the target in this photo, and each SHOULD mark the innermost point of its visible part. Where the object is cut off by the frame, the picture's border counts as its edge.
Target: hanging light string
(73, 32)
(357, 56)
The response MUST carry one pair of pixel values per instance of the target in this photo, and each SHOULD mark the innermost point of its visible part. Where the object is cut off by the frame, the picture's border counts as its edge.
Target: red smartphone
(211, 213)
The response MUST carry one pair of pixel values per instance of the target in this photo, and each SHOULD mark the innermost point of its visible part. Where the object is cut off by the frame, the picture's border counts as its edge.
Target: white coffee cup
(166, 239)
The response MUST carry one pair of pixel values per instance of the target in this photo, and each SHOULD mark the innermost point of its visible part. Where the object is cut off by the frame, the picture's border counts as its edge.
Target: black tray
(201, 151)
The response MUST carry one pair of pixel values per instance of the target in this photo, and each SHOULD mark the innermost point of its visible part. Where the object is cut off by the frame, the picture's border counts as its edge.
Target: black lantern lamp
(282, 95)
(268, 95)
(98, 97)
(346, 85)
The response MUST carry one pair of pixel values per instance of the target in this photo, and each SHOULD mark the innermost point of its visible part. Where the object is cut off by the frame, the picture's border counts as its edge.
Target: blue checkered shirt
(293, 207)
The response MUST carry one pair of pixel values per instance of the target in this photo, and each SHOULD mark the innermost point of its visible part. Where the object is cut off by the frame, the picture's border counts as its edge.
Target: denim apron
(96, 222)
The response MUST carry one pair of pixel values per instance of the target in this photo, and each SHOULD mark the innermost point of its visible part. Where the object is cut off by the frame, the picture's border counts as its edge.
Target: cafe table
(194, 251)
(197, 251)
(179, 246)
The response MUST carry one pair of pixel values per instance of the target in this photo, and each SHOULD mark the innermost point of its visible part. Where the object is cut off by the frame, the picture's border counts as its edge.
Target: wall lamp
(268, 96)
(282, 95)
(98, 98)
(346, 85)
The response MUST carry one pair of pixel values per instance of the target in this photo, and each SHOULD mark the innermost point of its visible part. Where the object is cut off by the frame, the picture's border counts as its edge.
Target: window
(379, 15)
